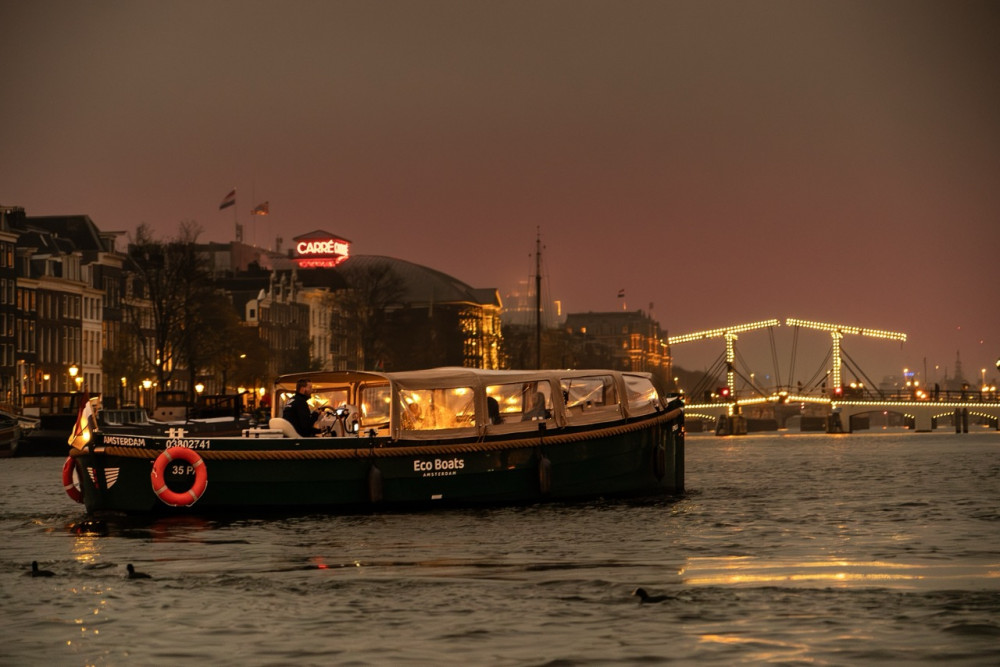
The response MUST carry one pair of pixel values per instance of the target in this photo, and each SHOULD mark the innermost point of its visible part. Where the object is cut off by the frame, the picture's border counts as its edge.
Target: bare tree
(373, 290)
(176, 285)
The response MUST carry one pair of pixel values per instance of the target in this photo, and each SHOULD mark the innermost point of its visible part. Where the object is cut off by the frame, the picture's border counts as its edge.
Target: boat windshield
(434, 409)
(333, 398)
(374, 400)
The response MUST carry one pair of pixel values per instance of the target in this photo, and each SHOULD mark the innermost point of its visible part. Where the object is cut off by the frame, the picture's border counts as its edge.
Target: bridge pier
(961, 420)
(835, 425)
(923, 422)
(731, 425)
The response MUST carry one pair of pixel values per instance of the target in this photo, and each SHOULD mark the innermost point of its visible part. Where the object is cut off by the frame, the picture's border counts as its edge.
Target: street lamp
(199, 388)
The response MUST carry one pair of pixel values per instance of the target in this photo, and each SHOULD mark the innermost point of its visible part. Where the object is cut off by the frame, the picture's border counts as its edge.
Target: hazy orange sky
(725, 161)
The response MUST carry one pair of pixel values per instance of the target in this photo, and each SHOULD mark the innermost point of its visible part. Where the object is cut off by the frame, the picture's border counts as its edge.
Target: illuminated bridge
(824, 402)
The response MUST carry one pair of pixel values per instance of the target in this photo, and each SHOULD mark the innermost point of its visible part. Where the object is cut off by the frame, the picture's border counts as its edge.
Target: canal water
(879, 548)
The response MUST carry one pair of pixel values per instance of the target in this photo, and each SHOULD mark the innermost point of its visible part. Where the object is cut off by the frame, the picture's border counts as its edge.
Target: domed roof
(421, 284)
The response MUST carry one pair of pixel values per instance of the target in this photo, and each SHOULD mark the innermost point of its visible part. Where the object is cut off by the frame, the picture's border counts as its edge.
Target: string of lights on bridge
(837, 332)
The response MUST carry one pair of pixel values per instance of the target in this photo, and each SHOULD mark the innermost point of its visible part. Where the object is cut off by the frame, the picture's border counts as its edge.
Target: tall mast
(538, 299)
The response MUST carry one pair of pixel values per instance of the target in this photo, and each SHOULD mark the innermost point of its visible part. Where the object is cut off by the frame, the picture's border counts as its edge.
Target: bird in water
(646, 597)
(133, 574)
(35, 572)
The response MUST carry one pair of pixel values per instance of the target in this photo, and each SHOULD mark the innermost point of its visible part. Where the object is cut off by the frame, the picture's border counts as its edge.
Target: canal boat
(54, 414)
(10, 433)
(400, 440)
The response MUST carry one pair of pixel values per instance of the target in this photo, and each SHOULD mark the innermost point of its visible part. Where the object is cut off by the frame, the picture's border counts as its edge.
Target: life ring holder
(69, 484)
(179, 498)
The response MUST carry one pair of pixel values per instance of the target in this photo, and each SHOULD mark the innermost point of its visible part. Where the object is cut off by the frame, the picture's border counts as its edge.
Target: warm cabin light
(262, 391)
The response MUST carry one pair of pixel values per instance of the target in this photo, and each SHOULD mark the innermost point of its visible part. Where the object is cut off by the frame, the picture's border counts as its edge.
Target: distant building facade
(631, 341)
(67, 289)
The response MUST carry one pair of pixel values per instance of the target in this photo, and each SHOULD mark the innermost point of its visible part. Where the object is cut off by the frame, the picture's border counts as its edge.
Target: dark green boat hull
(641, 458)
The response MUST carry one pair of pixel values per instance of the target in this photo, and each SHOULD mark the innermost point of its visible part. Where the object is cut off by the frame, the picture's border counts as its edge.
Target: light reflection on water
(743, 570)
(791, 549)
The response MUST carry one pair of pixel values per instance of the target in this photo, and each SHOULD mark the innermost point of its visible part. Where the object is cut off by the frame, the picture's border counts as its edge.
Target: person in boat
(536, 402)
(412, 417)
(298, 412)
(493, 408)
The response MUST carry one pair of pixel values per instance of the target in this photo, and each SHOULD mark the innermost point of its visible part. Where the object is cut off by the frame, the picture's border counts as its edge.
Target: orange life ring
(183, 498)
(71, 488)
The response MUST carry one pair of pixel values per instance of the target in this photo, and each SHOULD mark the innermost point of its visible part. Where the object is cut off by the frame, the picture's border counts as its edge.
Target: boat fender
(375, 484)
(175, 498)
(71, 487)
(544, 475)
(659, 461)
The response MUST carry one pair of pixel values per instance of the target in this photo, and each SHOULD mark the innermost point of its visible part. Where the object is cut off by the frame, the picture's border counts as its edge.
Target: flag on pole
(230, 200)
(621, 293)
(81, 429)
(262, 209)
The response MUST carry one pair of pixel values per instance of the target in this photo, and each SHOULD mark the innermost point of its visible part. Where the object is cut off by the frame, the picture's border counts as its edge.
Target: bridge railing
(931, 396)
(897, 395)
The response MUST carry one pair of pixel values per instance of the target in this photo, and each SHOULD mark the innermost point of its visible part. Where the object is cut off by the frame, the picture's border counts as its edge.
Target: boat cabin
(465, 402)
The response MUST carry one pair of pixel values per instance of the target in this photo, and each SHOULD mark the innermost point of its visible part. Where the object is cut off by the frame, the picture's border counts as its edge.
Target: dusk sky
(725, 161)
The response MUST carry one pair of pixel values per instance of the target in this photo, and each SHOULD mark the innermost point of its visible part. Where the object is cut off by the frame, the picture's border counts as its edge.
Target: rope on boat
(389, 452)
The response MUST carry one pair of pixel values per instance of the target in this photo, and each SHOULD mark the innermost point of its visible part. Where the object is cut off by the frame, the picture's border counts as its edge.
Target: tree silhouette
(362, 312)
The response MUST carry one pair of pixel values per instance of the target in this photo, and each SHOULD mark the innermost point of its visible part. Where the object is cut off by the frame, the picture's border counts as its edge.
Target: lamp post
(74, 370)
